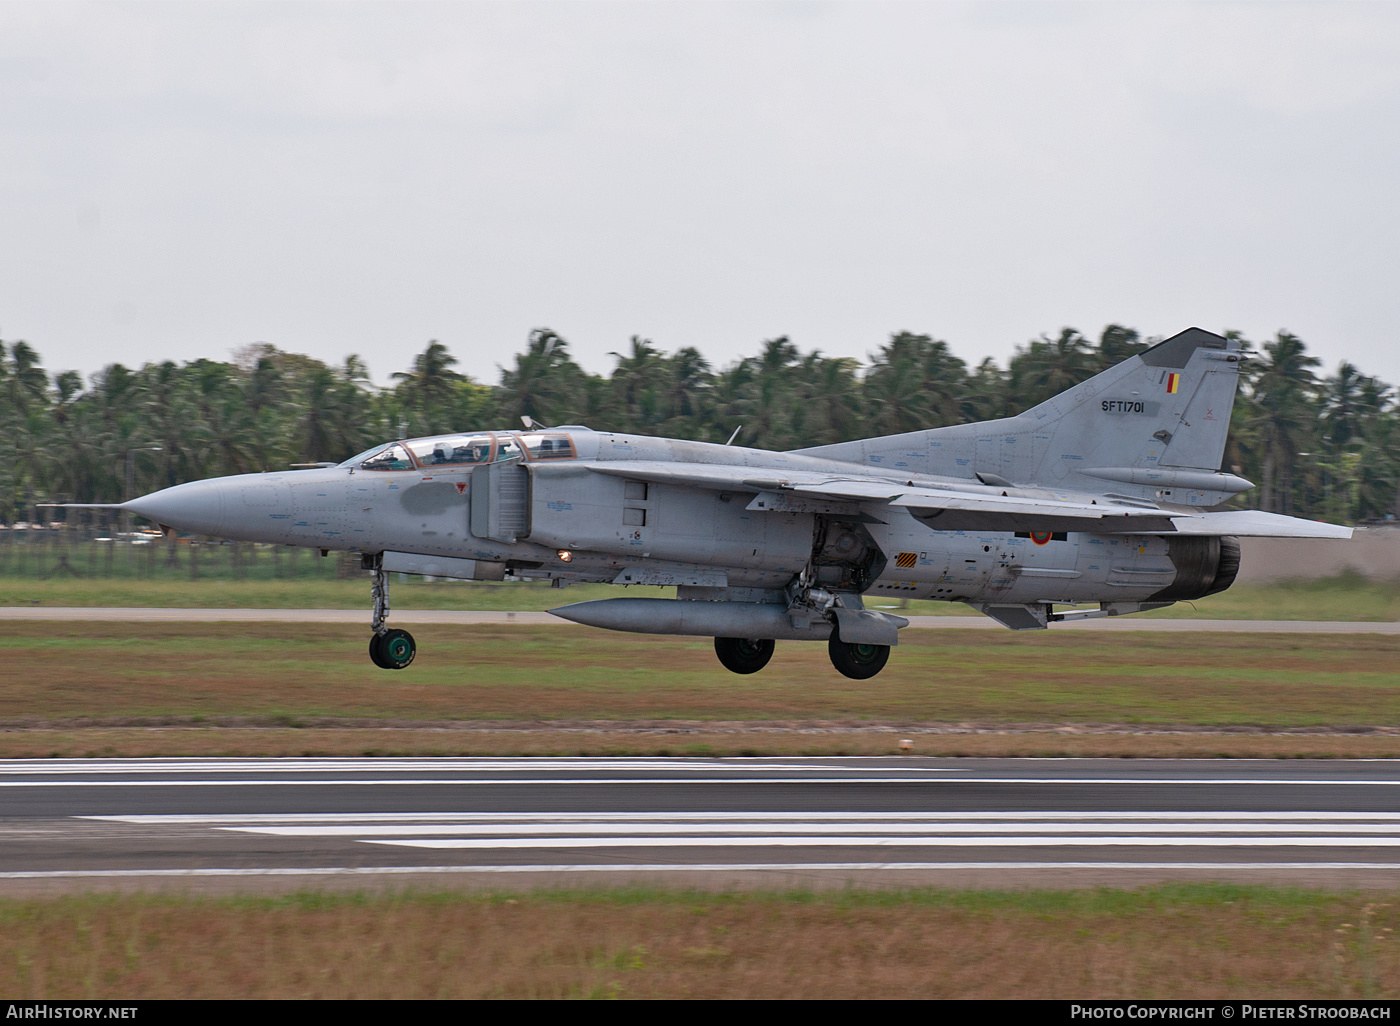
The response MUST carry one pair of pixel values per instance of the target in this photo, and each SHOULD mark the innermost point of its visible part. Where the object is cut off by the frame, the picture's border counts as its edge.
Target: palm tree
(163, 402)
(28, 384)
(1377, 446)
(1283, 397)
(894, 391)
(735, 398)
(429, 388)
(915, 382)
(832, 401)
(984, 396)
(769, 422)
(545, 383)
(1341, 413)
(638, 385)
(1117, 343)
(689, 384)
(26, 393)
(1046, 367)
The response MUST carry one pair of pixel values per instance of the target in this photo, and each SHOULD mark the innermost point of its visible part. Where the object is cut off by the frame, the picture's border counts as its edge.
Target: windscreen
(360, 457)
(393, 458)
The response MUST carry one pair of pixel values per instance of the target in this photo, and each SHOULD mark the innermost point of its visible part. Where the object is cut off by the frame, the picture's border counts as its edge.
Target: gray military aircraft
(1104, 496)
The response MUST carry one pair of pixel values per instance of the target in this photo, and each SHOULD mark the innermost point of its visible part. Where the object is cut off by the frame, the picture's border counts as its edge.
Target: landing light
(565, 556)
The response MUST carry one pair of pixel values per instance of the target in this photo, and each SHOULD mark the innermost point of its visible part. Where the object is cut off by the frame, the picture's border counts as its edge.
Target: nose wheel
(392, 650)
(389, 648)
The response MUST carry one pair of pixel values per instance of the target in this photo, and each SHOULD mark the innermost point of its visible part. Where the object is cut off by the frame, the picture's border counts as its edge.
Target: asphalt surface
(259, 824)
(454, 616)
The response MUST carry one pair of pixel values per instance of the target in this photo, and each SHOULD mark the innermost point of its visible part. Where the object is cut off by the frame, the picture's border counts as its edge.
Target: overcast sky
(181, 179)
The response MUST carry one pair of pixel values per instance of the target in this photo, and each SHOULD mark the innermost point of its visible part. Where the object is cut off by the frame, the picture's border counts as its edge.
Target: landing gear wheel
(859, 662)
(744, 655)
(392, 650)
(375, 656)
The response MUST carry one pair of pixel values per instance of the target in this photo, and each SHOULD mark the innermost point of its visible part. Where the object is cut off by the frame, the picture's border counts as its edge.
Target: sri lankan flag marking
(1173, 381)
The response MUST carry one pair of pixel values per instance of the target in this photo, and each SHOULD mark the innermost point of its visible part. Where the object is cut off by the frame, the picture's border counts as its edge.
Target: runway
(141, 614)
(258, 824)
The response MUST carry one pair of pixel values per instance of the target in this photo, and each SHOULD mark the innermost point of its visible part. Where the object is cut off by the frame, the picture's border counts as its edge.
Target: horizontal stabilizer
(1254, 523)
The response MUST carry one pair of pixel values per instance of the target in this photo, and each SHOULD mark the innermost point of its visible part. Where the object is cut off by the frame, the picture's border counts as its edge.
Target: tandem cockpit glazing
(464, 450)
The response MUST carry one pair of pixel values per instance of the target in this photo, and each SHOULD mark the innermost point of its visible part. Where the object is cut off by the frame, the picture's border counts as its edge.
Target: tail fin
(1152, 427)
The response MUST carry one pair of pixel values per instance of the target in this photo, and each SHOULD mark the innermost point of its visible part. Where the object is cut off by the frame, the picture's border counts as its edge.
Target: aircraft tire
(744, 655)
(396, 649)
(374, 654)
(859, 662)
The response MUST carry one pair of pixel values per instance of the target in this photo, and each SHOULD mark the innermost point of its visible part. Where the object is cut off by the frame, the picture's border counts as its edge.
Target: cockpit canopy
(454, 451)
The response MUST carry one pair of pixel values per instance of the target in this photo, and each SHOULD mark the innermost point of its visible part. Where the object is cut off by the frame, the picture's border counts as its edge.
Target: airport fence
(95, 548)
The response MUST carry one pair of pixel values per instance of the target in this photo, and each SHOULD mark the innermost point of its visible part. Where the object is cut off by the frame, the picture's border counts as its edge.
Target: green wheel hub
(393, 650)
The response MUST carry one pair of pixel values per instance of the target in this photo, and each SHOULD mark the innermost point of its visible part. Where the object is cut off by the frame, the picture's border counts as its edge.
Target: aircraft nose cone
(196, 507)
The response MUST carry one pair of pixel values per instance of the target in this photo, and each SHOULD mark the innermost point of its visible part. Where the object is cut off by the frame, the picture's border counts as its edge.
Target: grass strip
(1346, 597)
(1166, 941)
(66, 674)
(682, 742)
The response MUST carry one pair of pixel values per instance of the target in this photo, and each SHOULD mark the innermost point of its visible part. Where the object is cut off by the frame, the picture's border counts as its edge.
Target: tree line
(1325, 446)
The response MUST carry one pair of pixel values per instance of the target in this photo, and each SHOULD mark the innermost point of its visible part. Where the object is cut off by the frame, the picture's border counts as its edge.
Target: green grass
(114, 671)
(1349, 597)
(1176, 940)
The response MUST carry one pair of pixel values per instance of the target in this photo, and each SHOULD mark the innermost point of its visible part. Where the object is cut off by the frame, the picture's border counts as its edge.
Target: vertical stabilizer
(1153, 426)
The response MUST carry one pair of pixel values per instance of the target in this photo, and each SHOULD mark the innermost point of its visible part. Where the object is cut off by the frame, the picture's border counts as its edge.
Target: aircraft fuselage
(559, 519)
(1107, 493)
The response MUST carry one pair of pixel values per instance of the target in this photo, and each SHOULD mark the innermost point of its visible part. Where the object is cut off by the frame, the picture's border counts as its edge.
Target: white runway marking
(556, 782)
(204, 773)
(680, 867)
(505, 831)
(50, 767)
(736, 830)
(815, 841)
(200, 819)
(692, 780)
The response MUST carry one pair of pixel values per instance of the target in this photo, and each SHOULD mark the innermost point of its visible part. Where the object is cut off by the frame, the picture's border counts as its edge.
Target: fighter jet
(1101, 501)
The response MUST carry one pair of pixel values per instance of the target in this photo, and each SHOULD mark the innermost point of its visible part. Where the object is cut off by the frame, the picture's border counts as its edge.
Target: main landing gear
(859, 662)
(749, 655)
(389, 649)
(744, 655)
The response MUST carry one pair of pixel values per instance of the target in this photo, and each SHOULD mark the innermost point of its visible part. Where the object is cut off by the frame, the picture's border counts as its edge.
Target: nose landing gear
(389, 649)
(392, 650)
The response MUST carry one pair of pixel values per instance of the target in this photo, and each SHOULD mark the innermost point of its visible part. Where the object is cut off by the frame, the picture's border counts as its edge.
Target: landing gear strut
(744, 655)
(853, 659)
(389, 649)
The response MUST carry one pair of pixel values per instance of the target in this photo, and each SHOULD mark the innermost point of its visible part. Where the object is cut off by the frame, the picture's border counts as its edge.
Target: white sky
(180, 179)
